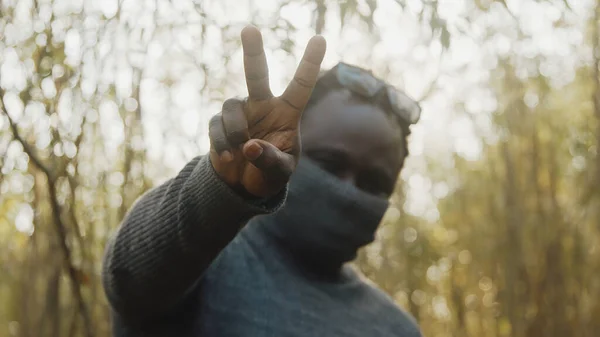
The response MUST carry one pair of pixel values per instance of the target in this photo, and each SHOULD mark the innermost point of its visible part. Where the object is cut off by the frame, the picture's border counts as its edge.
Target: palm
(266, 121)
(275, 122)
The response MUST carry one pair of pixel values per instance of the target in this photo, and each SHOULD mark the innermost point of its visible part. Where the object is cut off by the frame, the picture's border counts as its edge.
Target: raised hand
(255, 144)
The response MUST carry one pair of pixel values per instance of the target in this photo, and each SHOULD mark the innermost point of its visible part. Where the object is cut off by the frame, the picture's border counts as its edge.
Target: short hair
(328, 83)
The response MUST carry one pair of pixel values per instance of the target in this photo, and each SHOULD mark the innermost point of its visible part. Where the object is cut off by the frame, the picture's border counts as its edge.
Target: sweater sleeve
(170, 237)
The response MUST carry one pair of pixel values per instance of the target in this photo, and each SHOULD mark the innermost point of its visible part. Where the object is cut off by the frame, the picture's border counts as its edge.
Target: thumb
(276, 165)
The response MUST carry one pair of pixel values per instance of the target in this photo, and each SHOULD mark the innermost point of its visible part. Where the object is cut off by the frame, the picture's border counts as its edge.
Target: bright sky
(403, 54)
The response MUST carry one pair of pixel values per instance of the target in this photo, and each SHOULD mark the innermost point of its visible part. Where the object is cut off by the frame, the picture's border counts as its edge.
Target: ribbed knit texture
(180, 266)
(169, 238)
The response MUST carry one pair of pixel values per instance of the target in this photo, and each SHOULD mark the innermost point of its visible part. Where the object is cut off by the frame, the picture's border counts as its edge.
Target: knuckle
(219, 144)
(215, 121)
(303, 82)
(237, 136)
(217, 137)
(293, 105)
(216, 134)
(232, 104)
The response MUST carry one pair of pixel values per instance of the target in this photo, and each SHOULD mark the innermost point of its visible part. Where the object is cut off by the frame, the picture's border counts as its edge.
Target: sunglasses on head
(364, 83)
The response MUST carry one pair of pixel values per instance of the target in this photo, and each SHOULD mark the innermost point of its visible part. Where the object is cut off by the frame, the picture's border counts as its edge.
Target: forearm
(170, 237)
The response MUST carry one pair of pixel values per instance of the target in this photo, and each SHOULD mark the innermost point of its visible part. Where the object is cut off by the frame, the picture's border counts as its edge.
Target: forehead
(361, 129)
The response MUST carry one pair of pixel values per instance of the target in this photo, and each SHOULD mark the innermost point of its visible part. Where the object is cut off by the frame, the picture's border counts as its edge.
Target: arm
(173, 233)
(169, 238)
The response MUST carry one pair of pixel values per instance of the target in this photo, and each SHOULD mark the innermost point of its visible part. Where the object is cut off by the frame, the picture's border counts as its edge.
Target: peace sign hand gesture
(255, 144)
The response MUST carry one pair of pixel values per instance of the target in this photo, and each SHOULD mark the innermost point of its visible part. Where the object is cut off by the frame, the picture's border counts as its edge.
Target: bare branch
(56, 212)
(27, 148)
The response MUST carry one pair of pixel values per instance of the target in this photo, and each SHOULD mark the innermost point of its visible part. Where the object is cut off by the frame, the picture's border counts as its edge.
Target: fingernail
(254, 151)
(226, 156)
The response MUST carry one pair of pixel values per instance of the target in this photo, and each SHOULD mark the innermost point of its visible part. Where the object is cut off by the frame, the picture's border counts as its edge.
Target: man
(232, 246)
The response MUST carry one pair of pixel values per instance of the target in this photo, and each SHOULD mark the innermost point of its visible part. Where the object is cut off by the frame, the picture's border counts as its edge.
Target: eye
(332, 161)
(331, 165)
(376, 183)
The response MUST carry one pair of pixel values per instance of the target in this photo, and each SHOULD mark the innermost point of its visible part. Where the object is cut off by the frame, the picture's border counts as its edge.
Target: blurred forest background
(494, 228)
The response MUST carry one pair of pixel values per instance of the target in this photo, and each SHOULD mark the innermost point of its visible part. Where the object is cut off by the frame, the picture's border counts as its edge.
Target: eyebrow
(330, 150)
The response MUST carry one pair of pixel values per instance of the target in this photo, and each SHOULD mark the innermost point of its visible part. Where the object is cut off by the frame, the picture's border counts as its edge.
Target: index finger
(255, 64)
(298, 91)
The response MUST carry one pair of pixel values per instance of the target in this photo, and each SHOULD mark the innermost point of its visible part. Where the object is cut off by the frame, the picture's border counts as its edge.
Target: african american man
(254, 239)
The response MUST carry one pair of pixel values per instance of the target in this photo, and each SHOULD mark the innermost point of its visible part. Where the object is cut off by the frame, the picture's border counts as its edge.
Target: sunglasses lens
(358, 80)
(405, 106)
(365, 84)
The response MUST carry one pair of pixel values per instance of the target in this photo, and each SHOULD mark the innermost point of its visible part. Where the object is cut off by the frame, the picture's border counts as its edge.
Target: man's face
(354, 141)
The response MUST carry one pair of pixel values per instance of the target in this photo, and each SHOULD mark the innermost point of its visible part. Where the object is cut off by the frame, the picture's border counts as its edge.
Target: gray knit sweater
(183, 264)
